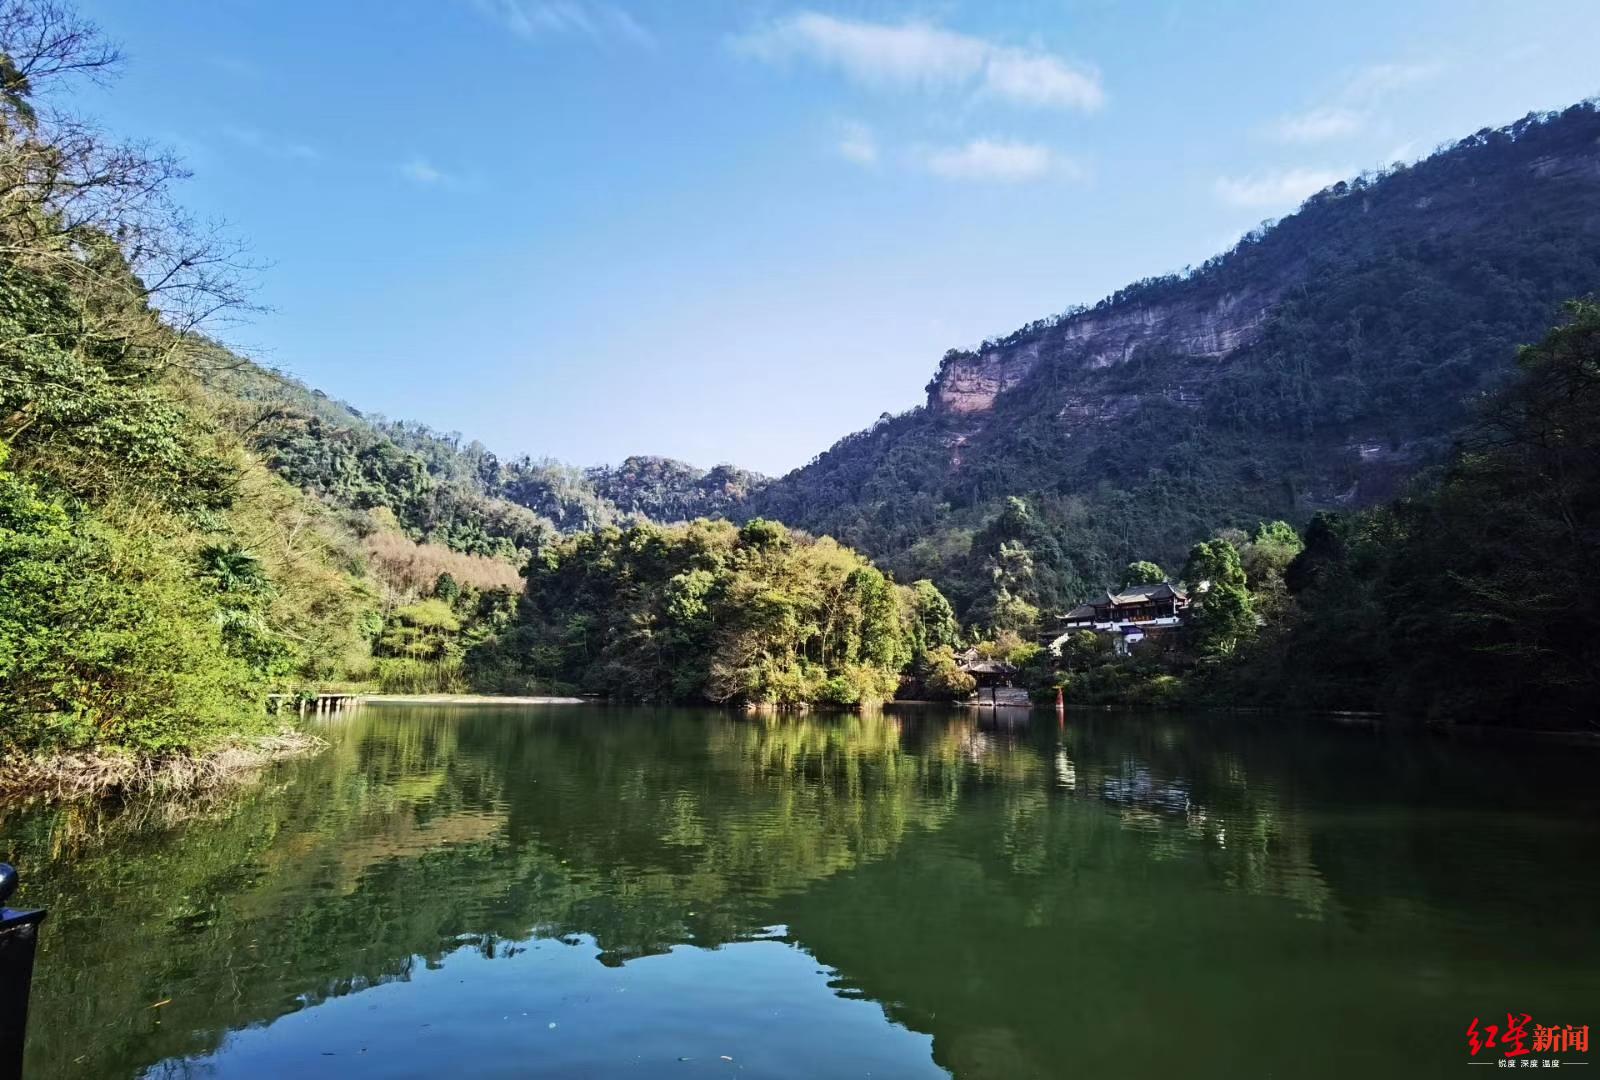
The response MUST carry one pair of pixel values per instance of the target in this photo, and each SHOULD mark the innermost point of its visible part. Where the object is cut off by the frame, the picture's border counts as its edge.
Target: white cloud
(1406, 151)
(1351, 111)
(424, 173)
(262, 143)
(421, 171)
(1042, 81)
(857, 143)
(1319, 125)
(599, 21)
(1278, 189)
(922, 56)
(1380, 80)
(1003, 160)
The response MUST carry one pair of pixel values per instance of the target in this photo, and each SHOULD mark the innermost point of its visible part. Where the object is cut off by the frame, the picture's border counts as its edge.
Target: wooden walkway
(1000, 695)
(322, 703)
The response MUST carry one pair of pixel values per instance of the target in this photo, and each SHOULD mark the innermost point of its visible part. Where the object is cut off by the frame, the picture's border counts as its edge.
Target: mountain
(445, 491)
(1320, 363)
(666, 490)
(184, 533)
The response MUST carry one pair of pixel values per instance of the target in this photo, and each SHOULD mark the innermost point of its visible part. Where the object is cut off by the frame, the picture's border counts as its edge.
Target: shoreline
(1350, 718)
(109, 774)
(101, 774)
(472, 699)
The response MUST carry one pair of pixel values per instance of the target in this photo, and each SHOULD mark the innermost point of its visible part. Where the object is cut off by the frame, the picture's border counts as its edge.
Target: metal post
(19, 934)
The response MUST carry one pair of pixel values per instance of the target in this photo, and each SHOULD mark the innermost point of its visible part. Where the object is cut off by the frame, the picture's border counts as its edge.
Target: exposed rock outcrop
(969, 382)
(1318, 363)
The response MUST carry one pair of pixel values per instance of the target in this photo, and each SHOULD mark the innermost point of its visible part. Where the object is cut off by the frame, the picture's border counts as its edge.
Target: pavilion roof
(1143, 594)
(1132, 594)
(988, 667)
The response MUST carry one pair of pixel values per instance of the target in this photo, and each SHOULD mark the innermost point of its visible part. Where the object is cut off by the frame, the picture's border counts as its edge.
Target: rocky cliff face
(1202, 321)
(1317, 364)
(969, 382)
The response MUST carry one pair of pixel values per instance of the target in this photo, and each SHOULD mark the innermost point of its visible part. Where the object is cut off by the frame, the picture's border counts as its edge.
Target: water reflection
(1150, 895)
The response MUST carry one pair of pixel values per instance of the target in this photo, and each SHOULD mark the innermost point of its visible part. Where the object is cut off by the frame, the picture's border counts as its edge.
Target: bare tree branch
(97, 213)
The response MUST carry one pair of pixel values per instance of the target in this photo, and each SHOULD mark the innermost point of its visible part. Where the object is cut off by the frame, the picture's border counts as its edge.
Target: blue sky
(738, 231)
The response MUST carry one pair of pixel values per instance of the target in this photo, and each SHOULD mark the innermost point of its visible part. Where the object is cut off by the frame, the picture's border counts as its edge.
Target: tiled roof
(1137, 594)
(988, 667)
(1133, 594)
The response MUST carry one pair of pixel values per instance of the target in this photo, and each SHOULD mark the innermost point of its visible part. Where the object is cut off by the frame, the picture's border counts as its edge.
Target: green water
(588, 891)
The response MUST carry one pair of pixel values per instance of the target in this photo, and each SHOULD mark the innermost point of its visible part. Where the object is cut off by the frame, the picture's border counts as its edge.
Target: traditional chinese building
(993, 678)
(1130, 614)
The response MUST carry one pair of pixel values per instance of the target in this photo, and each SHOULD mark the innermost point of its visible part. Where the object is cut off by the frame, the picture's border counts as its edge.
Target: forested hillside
(1470, 599)
(444, 490)
(183, 533)
(713, 612)
(1317, 365)
(1466, 600)
(156, 580)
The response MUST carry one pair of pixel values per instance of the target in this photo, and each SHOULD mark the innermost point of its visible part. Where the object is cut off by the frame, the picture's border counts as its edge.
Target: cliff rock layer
(1319, 363)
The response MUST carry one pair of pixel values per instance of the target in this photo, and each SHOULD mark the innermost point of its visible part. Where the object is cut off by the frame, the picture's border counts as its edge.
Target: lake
(489, 890)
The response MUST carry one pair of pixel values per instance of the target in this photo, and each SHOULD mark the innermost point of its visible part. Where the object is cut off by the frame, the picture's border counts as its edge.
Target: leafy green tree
(1085, 649)
(1019, 569)
(1008, 611)
(1224, 612)
(107, 637)
(710, 611)
(760, 533)
(1325, 545)
(1143, 573)
(1212, 563)
(1268, 554)
(930, 619)
(423, 631)
(446, 588)
(941, 677)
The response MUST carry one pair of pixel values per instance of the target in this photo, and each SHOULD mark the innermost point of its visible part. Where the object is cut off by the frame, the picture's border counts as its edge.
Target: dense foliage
(184, 533)
(459, 494)
(1467, 600)
(710, 611)
(106, 634)
(155, 581)
(1388, 305)
(1471, 599)
(664, 490)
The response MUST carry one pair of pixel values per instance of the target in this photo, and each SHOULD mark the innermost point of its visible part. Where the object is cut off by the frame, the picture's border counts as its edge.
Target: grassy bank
(102, 773)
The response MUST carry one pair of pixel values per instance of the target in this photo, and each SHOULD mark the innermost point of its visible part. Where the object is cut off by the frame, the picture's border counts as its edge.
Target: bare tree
(44, 40)
(78, 206)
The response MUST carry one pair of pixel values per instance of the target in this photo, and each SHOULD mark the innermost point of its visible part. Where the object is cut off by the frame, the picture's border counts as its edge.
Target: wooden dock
(321, 703)
(988, 696)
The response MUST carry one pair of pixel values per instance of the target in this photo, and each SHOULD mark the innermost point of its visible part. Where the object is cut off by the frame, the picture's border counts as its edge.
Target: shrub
(107, 637)
(415, 569)
(408, 675)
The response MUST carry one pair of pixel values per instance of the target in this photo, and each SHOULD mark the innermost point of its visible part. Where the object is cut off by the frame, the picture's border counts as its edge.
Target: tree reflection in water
(1119, 892)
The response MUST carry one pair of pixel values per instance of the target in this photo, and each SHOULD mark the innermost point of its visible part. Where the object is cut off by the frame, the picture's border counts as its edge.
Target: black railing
(19, 934)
